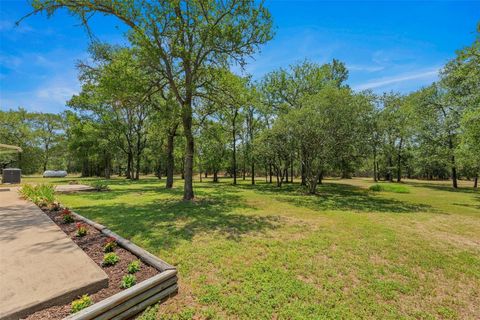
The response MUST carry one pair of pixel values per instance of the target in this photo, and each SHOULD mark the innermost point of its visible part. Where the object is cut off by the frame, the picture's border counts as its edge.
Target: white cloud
(365, 68)
(426, 75)
(56, 94)
(50, 96)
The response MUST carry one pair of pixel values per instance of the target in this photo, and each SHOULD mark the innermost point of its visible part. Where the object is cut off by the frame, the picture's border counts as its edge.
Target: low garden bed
(137, 278)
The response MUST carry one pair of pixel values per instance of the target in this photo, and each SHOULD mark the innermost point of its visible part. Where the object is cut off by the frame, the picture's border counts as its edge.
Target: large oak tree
(181, 41)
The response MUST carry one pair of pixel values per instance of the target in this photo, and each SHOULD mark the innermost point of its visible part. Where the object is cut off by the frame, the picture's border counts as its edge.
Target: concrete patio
(40, 265)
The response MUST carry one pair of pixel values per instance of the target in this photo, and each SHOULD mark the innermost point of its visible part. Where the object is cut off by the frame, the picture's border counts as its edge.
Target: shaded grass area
(261, 252)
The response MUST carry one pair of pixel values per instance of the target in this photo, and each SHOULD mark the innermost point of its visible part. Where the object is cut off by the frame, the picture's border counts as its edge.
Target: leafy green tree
(275, 146)
(232, 96)
(396, 118)
(326, 127)
(182, 40)
(469, 147)
(49, 130)
(118, 94)
(284, 90)
(38, 134)
(253, 126)
(213, 142)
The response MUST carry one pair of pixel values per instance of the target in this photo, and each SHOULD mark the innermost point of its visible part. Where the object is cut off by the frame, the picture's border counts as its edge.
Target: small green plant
(81, 303)
(109, 245)
(128, 281)
(81, 229)
(134, 266)
(100, 186)
(54, 206)
(67, 216)
(149, 314)
(109, 259)
(397, 188)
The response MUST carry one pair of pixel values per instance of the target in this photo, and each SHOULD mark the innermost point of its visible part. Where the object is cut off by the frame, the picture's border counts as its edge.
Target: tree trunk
(303, 175)
(159, 171)
(45, 163)
(452, 162)
(137, 173)
(85, 168)
(375, 166)
(399, 161)
(244, 164)
(390, 165)
(215, 176)
(475, 182)
(312, 185)
(234, 155)
(107, 166)
(170, 160)
(253, 173)
(291, 171)
(189, 151)
(128, 173)
(270, 172)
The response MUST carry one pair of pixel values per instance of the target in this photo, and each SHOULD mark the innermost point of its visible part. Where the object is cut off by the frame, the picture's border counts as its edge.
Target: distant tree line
(168, 104)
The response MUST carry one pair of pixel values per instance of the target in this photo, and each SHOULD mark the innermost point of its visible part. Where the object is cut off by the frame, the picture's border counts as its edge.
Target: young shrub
(46, 192)
(67, 216)
(128, 281)
(81, 229)
(82, 303)
(134, 266)
(26, 191)
(109, 259)
(389, 187)
(109, 245)
(100, 186)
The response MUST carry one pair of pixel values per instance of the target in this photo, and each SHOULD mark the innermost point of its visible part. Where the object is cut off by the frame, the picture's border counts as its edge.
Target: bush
(41, 194)
(109, 259)
(82, 303)
(100, 186)
(128, 281)
(397, 188)
(134, 266)
(110, 245)
(81, 229)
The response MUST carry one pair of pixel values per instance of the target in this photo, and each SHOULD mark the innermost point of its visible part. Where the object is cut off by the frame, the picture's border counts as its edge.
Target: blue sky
(386, 45)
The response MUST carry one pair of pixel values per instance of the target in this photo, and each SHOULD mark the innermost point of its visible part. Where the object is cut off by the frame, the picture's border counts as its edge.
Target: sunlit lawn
(259, 252)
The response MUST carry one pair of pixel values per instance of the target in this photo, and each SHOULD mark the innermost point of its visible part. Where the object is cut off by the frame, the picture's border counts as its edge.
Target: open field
(259, 252)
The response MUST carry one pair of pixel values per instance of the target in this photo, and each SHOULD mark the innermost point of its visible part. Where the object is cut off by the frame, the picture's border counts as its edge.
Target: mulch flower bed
(93, 244)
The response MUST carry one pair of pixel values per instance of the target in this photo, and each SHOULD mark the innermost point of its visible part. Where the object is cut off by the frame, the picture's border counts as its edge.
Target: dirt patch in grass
(93, 244)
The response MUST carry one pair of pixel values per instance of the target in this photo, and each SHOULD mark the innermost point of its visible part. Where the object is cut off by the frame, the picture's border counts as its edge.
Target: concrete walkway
(40, 265)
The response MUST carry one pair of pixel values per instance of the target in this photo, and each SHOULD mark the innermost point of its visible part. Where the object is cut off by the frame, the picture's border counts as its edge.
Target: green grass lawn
(259, 252)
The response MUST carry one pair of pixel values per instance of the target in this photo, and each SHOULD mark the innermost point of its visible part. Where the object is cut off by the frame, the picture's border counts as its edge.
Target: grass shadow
(441, 187)
(341, 197)
(162, 224)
